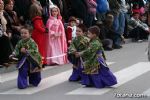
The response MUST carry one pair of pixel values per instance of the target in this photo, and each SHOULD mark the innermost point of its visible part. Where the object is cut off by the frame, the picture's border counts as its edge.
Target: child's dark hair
(27, 27)
(94, 30)
(83, 27)
(72, 18)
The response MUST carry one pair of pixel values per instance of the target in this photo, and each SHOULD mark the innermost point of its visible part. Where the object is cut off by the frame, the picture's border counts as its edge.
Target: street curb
(129, 40)
(9, 69)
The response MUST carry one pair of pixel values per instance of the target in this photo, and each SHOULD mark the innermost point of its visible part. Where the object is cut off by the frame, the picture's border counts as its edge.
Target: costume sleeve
(144, 26)
(37, 25)
(72, 48)
(69, 33)
(16, 51)
(92, 50)
(33, 51)
(49, 25)
(61, 30)
(32, 48)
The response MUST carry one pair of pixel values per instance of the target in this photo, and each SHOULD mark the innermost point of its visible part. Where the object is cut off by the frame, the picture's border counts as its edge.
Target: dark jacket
(114, 6)
(22, 7)
(79, 9)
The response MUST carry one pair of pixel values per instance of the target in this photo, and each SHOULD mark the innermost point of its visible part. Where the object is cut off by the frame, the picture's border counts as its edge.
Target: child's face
(54, 12)
(136, 16)
(25, 34)
(79, 32)
(72, 23)
(90, 35)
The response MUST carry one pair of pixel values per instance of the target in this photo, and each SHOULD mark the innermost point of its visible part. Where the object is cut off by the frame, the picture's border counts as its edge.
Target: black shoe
(1, 66)
(6, 65)
(108, 48)
(88, 86)
(43, 66)
(117, 46)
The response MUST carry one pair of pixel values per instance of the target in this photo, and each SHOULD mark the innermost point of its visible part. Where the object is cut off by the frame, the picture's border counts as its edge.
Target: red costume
(39, 35)
(69, 34)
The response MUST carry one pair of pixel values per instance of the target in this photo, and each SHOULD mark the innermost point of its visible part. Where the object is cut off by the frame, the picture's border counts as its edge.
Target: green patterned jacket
(78, 44)
(32, 49)
(91, 64)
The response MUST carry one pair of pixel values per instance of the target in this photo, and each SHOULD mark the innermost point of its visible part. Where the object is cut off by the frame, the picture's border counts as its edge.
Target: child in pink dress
(57, 45)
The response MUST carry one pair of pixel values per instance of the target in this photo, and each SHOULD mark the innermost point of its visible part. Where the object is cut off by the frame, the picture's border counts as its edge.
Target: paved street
(129, 64)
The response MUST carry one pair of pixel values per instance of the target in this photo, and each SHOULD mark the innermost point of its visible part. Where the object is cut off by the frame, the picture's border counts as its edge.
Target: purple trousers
(23, 74)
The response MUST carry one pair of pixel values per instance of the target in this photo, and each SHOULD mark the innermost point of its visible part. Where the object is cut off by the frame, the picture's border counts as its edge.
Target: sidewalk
(7, 70)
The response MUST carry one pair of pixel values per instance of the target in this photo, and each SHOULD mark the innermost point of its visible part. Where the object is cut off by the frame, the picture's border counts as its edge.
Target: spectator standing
(107, 33)
(122, 20)
(45, 9)
(22, 9)
(91, 12)
(79, 11)
(115, 9)
(102, 9)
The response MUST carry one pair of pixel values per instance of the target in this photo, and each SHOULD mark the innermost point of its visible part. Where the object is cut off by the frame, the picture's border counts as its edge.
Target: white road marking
(147, 92)
(123, 76)
(46, 83)
(13, 75)
(110, 63)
